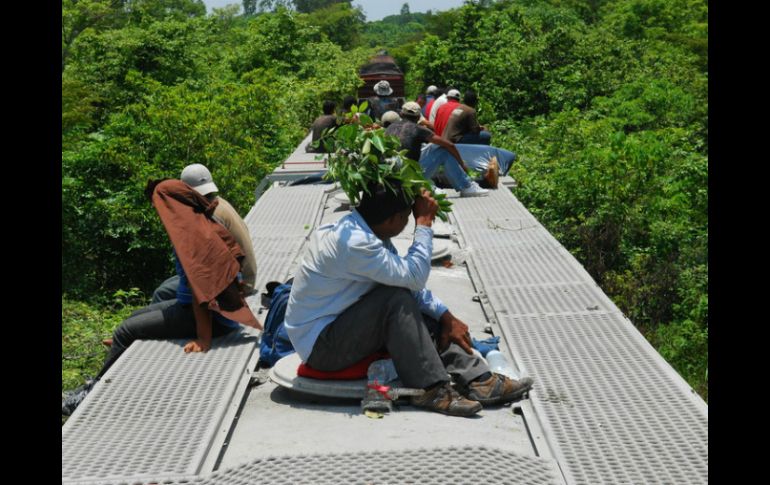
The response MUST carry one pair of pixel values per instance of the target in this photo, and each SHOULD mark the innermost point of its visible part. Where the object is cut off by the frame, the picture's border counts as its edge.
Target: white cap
(390, 117)
(198, 177)
(454, 94)
(431, 89)
(410, 108)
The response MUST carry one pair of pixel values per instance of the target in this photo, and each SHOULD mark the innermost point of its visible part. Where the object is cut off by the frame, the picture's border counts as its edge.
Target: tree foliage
(141, 102)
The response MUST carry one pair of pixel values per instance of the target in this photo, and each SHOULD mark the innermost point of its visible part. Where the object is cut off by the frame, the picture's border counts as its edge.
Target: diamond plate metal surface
(274, 256)
(549, 299)
(499, 204)
(501, 233)
(614, 410)
(156, 411)
(285, 211)
(278, 224)
(527, 265)
(468, 465)
(618, 412)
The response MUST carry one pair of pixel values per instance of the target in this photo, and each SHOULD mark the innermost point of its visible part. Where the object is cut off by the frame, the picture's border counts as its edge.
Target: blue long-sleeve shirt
(345, 261)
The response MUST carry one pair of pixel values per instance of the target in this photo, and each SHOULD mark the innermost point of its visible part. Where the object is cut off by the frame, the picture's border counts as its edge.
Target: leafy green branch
(362, 154)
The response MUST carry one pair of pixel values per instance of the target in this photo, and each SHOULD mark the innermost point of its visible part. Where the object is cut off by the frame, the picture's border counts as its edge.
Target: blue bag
(275, 342)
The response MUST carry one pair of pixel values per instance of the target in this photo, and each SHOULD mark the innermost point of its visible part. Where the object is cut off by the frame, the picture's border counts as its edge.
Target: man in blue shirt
(354, 295)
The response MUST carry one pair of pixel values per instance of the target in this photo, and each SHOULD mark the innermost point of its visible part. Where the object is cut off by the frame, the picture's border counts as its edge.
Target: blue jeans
(433, 156)
(481, 138)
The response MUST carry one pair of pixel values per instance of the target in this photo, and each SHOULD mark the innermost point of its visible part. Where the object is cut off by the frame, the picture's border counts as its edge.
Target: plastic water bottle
(382, 371)
(499, 364)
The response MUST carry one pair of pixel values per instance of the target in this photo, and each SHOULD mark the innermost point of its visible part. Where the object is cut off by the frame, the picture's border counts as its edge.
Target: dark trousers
(480, 138)
(165, 320)
(166, 291)
(389, 318)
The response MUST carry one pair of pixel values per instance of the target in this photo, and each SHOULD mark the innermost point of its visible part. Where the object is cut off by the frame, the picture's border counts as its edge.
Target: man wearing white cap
(199, 178)
(439, 102)
(438, 153)
(185, 210)
(430, 95)
(445, 110)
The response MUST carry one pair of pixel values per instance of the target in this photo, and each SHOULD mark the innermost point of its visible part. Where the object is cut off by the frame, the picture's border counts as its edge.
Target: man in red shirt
(463, 125)
(444, 111)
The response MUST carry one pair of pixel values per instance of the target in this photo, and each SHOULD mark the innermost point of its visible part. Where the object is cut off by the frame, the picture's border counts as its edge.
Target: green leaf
(377, 141)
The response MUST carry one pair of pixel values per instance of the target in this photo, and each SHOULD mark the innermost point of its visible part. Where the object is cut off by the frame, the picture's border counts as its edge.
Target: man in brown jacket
(198, 177)
(209, 299)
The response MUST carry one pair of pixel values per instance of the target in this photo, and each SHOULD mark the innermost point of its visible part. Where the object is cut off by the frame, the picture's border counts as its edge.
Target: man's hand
(197, 345)
(425, 208)
(454, 330)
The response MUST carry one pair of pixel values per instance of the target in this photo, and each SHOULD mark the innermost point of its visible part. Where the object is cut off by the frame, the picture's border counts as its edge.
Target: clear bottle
(500, 365)
(382, 371)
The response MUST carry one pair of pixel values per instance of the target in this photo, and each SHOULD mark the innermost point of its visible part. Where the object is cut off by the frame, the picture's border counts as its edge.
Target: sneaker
(72, 399)
(444, 399)
(498, 389)
(492, 176)
(473, 190)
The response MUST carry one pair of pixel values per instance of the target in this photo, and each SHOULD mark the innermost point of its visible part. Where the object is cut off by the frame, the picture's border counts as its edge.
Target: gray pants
(389, 318)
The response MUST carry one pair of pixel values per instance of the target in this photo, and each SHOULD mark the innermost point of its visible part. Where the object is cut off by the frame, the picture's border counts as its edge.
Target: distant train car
(381, 67)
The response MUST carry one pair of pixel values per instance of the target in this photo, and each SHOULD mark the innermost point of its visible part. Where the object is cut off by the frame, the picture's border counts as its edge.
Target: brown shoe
(492, 176)
(444, 399)
(498, 389)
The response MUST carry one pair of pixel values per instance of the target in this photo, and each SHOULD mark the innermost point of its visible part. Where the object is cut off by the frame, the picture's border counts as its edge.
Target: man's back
(343, 262)
(227, 215)
(462, 120)
(379, 105)
(319, 125)
(442, 115)
(412, 137)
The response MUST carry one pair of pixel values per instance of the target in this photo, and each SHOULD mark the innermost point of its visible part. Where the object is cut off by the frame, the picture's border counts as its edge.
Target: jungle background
(604, 102)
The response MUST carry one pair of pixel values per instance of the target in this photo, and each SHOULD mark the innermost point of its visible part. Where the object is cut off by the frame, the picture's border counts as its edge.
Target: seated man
(324, 122)
(389, 118)
(440, 152)
(354, 295)
(209, 302)
(445, 111)
(198, 177)
(462, 125)
(430, 95)
(382, 103)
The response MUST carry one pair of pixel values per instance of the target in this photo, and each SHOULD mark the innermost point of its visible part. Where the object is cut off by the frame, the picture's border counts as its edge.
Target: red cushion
(355, 371)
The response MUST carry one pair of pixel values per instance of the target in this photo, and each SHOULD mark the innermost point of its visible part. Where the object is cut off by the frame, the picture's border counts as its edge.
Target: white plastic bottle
(500, 365)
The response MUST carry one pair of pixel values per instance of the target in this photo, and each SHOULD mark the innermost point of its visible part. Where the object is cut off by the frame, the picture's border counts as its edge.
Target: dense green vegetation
(605, 102)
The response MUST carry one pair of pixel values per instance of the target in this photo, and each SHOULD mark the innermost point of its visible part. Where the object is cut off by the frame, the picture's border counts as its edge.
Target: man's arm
(454, 330)
(424, 209)
(451, 148)
(427, 124)
(378, 260)
(203, 329)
